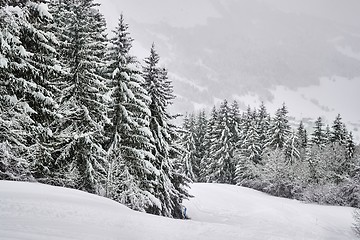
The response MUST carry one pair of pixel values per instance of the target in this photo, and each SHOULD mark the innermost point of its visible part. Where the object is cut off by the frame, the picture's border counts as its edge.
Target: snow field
(37, 211)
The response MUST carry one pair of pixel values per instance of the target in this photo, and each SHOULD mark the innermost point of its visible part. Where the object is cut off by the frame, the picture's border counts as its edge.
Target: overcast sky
(305, 53)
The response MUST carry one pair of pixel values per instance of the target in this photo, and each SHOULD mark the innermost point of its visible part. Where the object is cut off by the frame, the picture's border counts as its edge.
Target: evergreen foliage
(223, 148)
(318, 136)
(129, 146)
(79, 129)
(279, 130)
(170, 185)
(79, 111)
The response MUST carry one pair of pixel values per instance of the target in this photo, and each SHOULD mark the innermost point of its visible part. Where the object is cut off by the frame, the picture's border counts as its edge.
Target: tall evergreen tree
(170, 188)
(79, 131)
(350, 146)
(234, 115)
(208, 164)
(279, 130)
(188, 141)
(263, 125)
(200, 136)
(339, 132)
(223, 148)
(318, 136)
(302, 135)
(129, 146)
(27, 66)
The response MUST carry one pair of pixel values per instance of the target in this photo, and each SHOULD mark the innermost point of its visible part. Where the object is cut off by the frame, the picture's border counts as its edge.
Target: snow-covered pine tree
(200, 133)
(350, 146)
(302, 135)
(27, 61)
(208, 164)
(263, 125)
(15, 118)
(129, 145)
(339, 132)
(189, 145)
(327, 134)
(79, 130)
(318, 136)
(234, 115)
(170, 187)
(223, 147)
(250, 145)
(279, 130)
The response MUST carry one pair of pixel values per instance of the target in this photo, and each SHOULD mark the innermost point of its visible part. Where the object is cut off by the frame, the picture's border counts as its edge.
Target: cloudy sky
(305, 53)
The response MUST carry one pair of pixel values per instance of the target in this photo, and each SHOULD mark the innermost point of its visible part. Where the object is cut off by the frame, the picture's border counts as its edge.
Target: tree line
(78, 110)
(264, 152)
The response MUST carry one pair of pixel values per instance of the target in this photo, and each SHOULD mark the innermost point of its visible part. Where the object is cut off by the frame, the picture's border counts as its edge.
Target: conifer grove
(78, 110)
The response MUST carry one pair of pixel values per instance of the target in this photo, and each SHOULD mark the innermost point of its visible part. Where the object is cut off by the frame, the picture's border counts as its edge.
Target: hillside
(37, 211)
(304, 53)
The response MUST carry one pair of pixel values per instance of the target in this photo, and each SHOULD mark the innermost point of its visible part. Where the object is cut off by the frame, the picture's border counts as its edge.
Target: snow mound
(37, 211)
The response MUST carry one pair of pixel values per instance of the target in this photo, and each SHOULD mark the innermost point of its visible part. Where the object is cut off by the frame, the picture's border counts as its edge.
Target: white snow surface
(38, 211)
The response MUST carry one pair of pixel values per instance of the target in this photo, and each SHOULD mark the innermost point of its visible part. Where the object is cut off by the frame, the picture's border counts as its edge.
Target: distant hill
(305, 53)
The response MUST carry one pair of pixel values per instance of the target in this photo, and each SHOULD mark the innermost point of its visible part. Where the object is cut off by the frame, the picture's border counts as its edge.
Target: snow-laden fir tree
(339, 132)
(250, 144)
(27, 66)
(129, 145)
(208, 165)
(223, 147)
(189, 157)
(249, 150)
(200, 135)
(279, 130)
(79, 130)
(350, 146)
(302, 135)
(171, 185)
(318, 136)
(234, 114)
(263, 125)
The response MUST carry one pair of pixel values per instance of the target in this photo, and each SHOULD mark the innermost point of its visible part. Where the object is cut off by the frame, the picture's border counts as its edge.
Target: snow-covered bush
(280, 178)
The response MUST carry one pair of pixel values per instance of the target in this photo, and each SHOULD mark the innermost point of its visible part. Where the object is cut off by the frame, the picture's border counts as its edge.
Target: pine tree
(318, 136)
(79, 131)
(223, 148)
(263, 125)
(200, 137)
(339, 132)
(170, 188)
(129, 146)
(279, 130)
(250, 146)
(302, 135)
(27, 66)
(188, 141)
(234, 114)
(350, 146)
(208, 164)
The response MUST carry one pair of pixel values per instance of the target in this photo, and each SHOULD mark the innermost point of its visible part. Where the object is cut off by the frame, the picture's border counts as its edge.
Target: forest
(79, 110)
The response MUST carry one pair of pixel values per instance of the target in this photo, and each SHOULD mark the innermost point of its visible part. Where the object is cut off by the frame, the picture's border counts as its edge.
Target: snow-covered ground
(37, 211)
